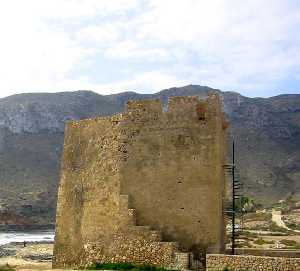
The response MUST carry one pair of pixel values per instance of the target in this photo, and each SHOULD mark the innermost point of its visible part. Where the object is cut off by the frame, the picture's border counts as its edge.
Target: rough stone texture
(145, 186)
(285, 253)
(217, 262)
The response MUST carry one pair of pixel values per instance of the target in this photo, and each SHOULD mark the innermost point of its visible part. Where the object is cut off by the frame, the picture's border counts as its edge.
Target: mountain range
(266, 132)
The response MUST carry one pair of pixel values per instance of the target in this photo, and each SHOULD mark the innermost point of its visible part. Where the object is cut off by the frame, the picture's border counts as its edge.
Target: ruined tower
(144, 186)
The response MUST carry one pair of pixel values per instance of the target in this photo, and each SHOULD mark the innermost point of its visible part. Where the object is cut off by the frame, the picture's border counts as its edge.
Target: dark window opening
(201, 112)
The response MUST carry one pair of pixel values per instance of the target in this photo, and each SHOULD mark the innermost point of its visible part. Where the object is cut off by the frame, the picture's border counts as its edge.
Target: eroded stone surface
(160, 170)
(255, 263)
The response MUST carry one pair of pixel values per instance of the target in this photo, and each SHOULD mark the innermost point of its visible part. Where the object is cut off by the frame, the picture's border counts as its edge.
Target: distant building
(144, 186)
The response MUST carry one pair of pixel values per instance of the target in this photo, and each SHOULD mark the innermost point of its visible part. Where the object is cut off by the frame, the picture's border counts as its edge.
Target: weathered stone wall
(217, 262)
(143, 186)
(285, 253)
(173, 172)
(88, 197)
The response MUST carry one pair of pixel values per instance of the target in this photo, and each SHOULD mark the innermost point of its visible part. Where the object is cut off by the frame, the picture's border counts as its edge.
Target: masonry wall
(174, 170)
(88, 197)
(253, 263)
(144, 186)
(284, 253)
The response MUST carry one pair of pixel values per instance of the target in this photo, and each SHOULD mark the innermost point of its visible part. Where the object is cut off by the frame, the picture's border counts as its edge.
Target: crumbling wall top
(183, 108)
(146, 106)
(183, 105)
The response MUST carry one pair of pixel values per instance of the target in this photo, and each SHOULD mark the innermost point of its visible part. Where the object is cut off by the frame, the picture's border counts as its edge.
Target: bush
(258, 217)
(297, 246)
(261, 241)
(6, 268)
(243, 244)
(293, 225)
(249, 235)
(288, 243)
(111, 266)
(124, 266)
(227, 269)
(273, 227)
(245, 204)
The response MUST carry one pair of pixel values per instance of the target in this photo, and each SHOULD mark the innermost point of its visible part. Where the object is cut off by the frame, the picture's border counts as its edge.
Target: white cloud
(37, 53)
(130, 49)
(148, 82)
(67, 9)
(77, 44)
(104, 34)
(181, 21)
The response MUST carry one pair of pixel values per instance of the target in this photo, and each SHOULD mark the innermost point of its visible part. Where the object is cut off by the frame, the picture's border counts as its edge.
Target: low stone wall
(217, 262)
(284, 253)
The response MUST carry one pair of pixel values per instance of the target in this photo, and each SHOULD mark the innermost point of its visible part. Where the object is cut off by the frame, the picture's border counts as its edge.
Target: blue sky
(110, 46)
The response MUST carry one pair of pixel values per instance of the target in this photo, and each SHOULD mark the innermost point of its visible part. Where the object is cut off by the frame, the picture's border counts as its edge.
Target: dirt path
(277, 218)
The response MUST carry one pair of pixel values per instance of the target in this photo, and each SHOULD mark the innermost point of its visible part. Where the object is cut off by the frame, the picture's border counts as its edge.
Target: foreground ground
(275, 229)
(270, 229)
(33, 257)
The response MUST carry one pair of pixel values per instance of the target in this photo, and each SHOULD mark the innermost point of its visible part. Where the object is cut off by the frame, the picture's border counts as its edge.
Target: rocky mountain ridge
(266, 131)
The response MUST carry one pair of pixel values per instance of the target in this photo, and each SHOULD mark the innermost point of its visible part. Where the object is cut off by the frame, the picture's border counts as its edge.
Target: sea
(32, 236)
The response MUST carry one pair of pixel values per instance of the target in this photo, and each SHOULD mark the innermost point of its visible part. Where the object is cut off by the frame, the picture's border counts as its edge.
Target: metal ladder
(237, 197)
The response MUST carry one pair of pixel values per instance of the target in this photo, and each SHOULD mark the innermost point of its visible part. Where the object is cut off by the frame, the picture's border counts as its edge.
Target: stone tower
(144, 186)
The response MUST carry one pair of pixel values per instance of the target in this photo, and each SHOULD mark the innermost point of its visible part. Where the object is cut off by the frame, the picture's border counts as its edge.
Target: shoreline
(29, 237)
(27, 228)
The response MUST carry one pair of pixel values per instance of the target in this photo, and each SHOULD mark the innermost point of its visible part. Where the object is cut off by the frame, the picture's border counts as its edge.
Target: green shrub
(297, 246)
(6, 268)
(243, 244)
(111, 266)
(293, 225)
(275, 227)
(124, 266)
(258, 217)
(288, 243)
(249, 235)
(261, 241)
(227, 269)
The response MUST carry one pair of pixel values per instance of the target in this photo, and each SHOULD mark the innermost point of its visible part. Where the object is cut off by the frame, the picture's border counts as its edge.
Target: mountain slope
(266, 131)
